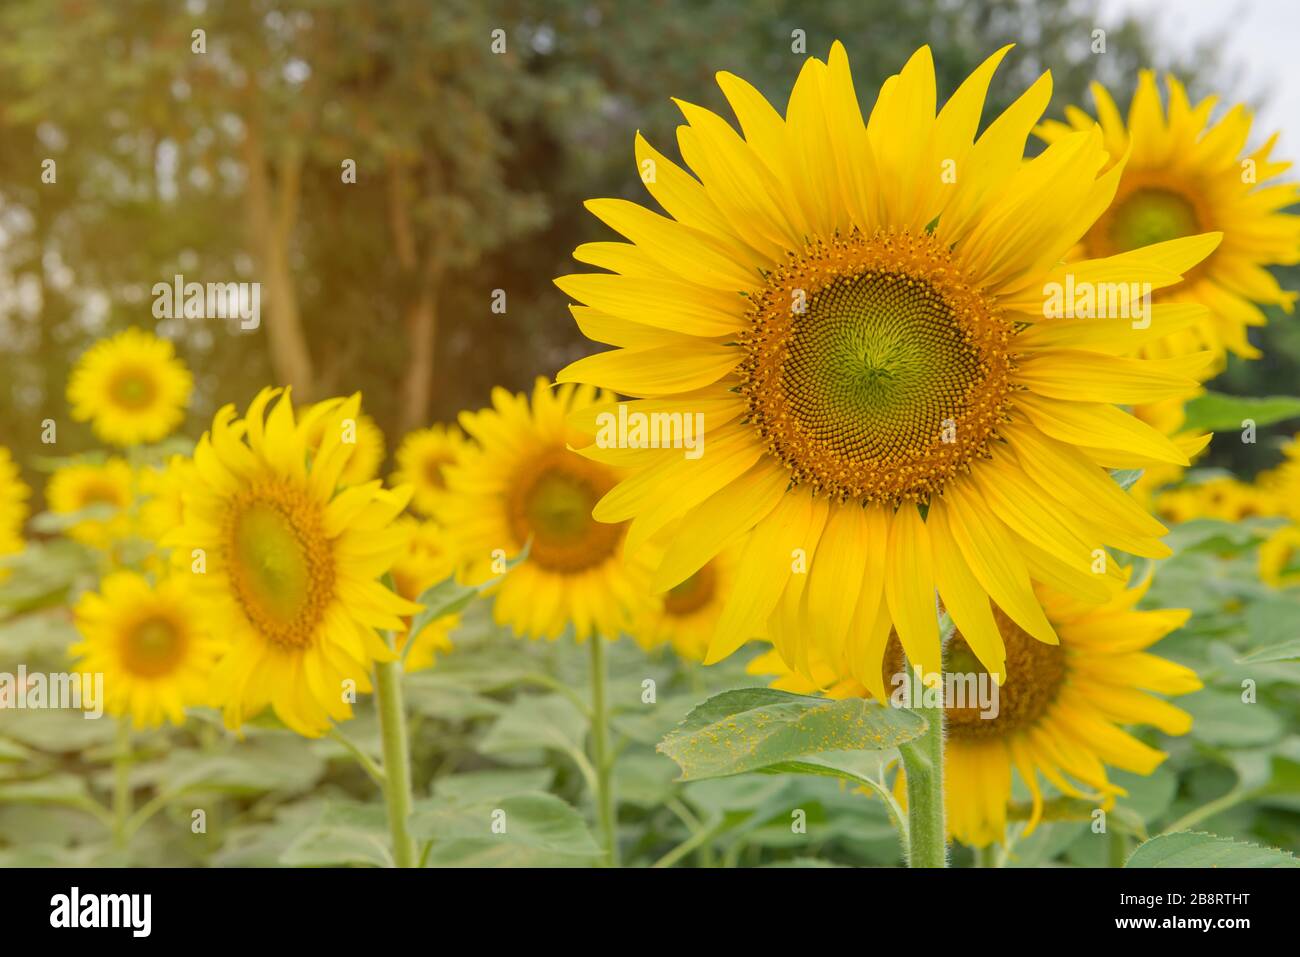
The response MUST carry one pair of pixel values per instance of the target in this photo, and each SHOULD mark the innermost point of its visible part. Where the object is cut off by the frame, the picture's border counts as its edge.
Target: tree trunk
(417, 382)
(272, 214)
(421, 318)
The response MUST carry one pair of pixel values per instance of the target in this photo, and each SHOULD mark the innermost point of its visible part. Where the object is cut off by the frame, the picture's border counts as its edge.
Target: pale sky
(1257, 44)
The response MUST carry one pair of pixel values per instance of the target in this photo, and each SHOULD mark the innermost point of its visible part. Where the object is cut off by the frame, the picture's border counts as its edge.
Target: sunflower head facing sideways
(131, 388)
(13, 507)
(1188, 175)
(519, 485)
(422, 462)
(286, 562)
(107, 488)
(862, 312)
(425, 562)
(1056, 716)
(154, 654)
(365, 437)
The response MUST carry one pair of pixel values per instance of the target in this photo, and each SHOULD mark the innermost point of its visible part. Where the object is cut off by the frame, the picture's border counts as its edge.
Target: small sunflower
(149, 645)
(422, 461)
(287, 563)
(1058, 713)
(109, 487)
(521, 485)
(860, 311)
(425, 562)
(131, 388)
(364, 437)
(1221, 497)
(1186, 175)
(13, 507)
(163, 496)
(1279, 557)
(686, 615)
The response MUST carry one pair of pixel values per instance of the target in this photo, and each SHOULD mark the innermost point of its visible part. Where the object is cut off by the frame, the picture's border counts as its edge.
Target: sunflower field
(420, 449)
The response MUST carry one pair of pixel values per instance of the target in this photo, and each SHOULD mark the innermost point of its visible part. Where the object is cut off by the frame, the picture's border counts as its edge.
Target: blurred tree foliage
(471, 167)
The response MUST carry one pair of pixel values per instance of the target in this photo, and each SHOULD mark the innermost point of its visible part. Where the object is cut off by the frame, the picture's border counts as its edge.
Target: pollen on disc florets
(874, 369)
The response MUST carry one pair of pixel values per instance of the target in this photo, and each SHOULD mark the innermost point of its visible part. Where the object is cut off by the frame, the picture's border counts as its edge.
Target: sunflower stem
(397, 758)
(927, 836)
(601, 756)
(121, 782)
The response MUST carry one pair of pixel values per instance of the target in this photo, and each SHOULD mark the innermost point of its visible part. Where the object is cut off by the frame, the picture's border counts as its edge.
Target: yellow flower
(361, 435)
(1058, 714)
(861, 313)
(13, 507)
(1221, 497)
(131, 388)
(686, 615)
(149, 644)
(76, 488)
(163, 490)
(520, 485)
(1186, 176)
(286, 563)
(422, 460)
(1279, 557)
(425, 562)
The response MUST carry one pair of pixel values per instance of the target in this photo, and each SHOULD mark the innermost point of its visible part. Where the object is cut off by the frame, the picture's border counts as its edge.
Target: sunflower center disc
(873, 370)
(1151, 215)
(152, 647)
(693, 594)
(280, 563)
(133, 389)
(551, 502)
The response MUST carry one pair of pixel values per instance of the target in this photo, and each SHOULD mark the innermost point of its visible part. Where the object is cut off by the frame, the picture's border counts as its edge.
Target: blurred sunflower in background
(362, 433)
(425, 562)
(131, 388)
(866, 337)
(153, 651)
(1221, 496)
(108, 487)
(1186, 175)
(1279, 557)
(162, 491)
(686, 615)
(520, 485)
(288, 563)
(1058, 713)
(13, 507)
(422, 461)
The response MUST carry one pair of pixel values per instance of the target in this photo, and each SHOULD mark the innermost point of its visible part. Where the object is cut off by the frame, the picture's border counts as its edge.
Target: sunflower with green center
(518, 485)
(860, 312)
(425, 562)
(287, 562)
(422, 461)
(13, 507)
(1058, 713)
(131, 388)
(1186, 175)
(365, 437)
(148, 644)
(107, 487)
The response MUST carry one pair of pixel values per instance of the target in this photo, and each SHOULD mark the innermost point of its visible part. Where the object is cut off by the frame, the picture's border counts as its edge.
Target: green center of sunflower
(693, 594)
(1151, 215)
(133, 389)
(280, 562)
(550, 503)
(1035, 672)
(152, 647)
(873, 370)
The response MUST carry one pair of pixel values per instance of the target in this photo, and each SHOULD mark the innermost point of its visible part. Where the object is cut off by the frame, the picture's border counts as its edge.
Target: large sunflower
(132, 388)
(150, 646)
(108, 487)
(1058, 712)
(858, 310)
(422, 461)
(1186, 175)
(287, 564)
(13, 507)
(520, 484)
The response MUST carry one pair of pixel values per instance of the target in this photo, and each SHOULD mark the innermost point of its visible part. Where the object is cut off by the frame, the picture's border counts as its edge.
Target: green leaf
(1192, 849)
(1221, 718)
(1272, 626)
(343, 834)
(536, 721)
(1216, 412)
(751, 729)
(449, 597)
(524, 830)
(491, 785)
(1126, 478)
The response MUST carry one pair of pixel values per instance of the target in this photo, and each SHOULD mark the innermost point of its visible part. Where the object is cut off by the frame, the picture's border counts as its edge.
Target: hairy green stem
(601, 756)
(397, 759)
